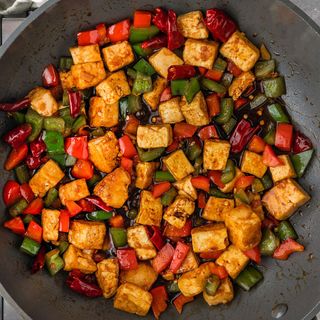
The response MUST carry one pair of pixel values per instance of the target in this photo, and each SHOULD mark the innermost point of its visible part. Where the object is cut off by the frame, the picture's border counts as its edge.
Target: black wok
(294, 41)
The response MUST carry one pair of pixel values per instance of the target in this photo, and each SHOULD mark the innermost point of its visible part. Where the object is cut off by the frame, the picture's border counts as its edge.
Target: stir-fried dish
(157, 163)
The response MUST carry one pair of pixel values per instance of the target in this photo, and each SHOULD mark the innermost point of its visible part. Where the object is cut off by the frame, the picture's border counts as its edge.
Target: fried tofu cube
(244, 227)
(113, 188)
(252, 163)
(74, 191)
(170, 111)
(285, 171)
(240, 84)
(50, 224)
(256, 204)
(284, 199)
(89, 74)
(243, 53)
(216, 208)
(154, 136)
(186, 188)
(43, 102)
(118, 55)
(195, 112)
(144, 276)
(234, 260)
(228, 187)
(163, 59)
(191, 25)
(84, 54)
(66, 80)
(107, 275)
(210, 237)
(103, 152)
(144, 174)
(215, 154)
(223, 295)
(178, 164)
(150, 210)
(138, 239)
(47, 177)
(132, 299)
(114, 87)
(200, 53)
(152, 98)
(179, 211)
(102, 114)
(75, 258)
(87, 234)
(190, 262)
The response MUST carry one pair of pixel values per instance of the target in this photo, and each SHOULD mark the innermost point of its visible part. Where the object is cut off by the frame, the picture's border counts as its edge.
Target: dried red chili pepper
(181, 72)
(50, 76)
(15, 106)
(75, 99)
(175, 38)
(39, 260)
(33, 162)
(37, 147)
(98, 202)
(160, 19)
(300, 142)
(155, 43)
(18, 135)
(156, 237)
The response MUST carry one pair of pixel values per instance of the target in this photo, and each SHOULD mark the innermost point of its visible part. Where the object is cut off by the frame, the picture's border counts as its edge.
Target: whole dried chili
(39, 260)
(156, 237)
(181, 72)
(15, 106)
(175, 38)
(37, 147)
(155, 43)
(75, 99)
(160, 19)
(98, 202)
(18, 135)
(33, 162)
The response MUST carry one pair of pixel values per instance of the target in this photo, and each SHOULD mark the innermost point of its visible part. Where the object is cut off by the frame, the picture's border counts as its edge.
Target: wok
(294, 41)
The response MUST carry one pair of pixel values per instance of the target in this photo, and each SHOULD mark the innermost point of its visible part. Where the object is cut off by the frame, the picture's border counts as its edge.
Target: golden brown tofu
(243, 53)
(138, 239)
(200, 53)
(240, 84)
(193, 282)
(244, 227)
(75, 258)
(118, 55)
(102, 114)
(86, 75)
(170, 111)
(144, 276)
(234, 260)
(195, 112)
(163, 59)
(152, 98)
(50, 224)
(114, 87)
(228, 187)
(178, 164)
(74, 191)
(43, 102)
(179, 211)
(66, 80)
(284, 171)
(83, 54)
(190, 262)
(191, 25)
(256, 204)
(113, 188)
(210, 237)
(154, 136)
(87, 234)
(150, 210)
(47, 177)
(103, 152)
(216, 208)
(223, 295)
(144, 174)
(215, 154)
(132, 299)
(107, 276)
(284, 199)
(252, 163)
(185, 188)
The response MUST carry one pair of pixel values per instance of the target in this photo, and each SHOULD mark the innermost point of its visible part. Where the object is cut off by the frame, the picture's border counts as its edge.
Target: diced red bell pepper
(86, 206)
(88, 37)
(244, 182)
(39, 261)
(50, 76)
(214, 74)
(119, 31)
(160, 19)
(127, 259)
(37, 147)
(208, 132)
(257, 144)
(64, 221)
(15, 225)
(180, 301)
(159, 300)
(154, 43)
(175, 38)
(184, 130)
(127, 148)
(173, 146)
(75, 99)
(33, 162)
(269, 158)
(156, 237)
(202, 70)
(99, 203)
(179, 255)
(300, 142)
(215, 177)
(181, 72)
(208, 255)
(166, 94)
(131, 126)
(142, 19)
(34, 231)
(103, 34)
(213, 104)
(254, 254)
(77, 147)
(201, 200)
(232, 68)
(82, 169)
(18, 135)
(11, 192)
(16, 156)
(284, 136)
(201, 182)
(240, 102)
(163, 258)
(171, 231)
(219, 271)
(26, 192)
(126, 164)
(160, 188)
(116, 221)
(286, 248)
(34, 207)
(73, 208)
(269, 222)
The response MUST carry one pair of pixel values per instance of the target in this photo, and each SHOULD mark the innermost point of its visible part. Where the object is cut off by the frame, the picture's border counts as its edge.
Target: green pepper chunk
(215, 192)
(94, 179)
(140, 51)
(229, 125)
(149, 155)
(70, 160)
(131, 73)
(134, 104)
(22, 173)
(142, 34)
(229, 172)
(168, 197)
(198, 165)
(300, 161)
(248, 278)
(242, 196)
(65, 63)
(78, 123)
(258, 101)
(191, 89)
(54, 262)
(257, 185)
(28, 218)
(264, 69)
(68, 120)
(269, 242)
(54, 142)
(267, 181)
(63, 246)
(173, 287)
(163, 176)
(178, 87)
(30, 246)
(213, 86)
(142, 83)
(277, 113)
(193, 151)
(65, 99)
(144, 67)
(19, 117)
(36, 122)
(274, 88)
(54, 124)
(132, 213)
(286, 231)
(18, 207)
(212, 285)
(123, 108)
(270, 136)
(99, 215)
(220, 64)
(50, 197)
(226, 111)
(119, 237)
(98, 132)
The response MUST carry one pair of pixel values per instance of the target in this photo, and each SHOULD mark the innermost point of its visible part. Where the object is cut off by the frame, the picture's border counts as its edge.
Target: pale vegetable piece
(252, 163)
(186, 188)
(152, 98)
(43, 102)
(170, 111)
(154, 136)
(84, 54)
(74, 191)
(284, 171)
(50, 224)
(223, 295)
(102, 114)
(191, 25)
(215, 154)
(240, 84)
(216, 208)
(107, 275)
(144, 174)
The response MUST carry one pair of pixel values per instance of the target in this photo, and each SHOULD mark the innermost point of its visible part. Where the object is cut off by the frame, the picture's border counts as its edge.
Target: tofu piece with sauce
(84, 54)
(118, 55)
(42, 101)
(113, 188)
(144, 174)
(50, 224)
(216, 208)
(152, 98)
(170, 111)
(154, 136)
(66, 80)
(191, 25)
(190, 262)
(87, 234)
(240, 84)
(284, 171)
(223, 295)
(185, 188)
(163, 59)
(200, 53)
(47, 177)
(243, 53)
(107, 276)
(284, 199)
(252, 163)
(74, 191)
(102, 114)
(215, 154)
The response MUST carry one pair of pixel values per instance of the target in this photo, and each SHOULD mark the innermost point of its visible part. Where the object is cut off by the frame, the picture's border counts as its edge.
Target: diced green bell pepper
(36, 122)
(18, 207)
(191, 89)
(242, 196)
(19, 117)
(98, 132)
(142, 34)
(123, 108)
(149, 155)
(300, 161)
(193, 151)
(132, 213)
(269, 242)
(248, 278)
(54, 142)
(144, 67)
(220, 64)
(28, 218)
(78, 123)
(229, 125)
(263, 69)
(229, 172)
(178, 87)
(168, 197)
(22, 173)
(212, 285)
(54, 262)
(257, 185)
(142, 83)
(134, 104)
(63, 246)
(94, 179)
(54, 124)
(277, 113)
(173, 287)
(215, 192)
(258, 101)
(270, 136)
(213, 86)
(99, 215)
(30, 246)
(119, 237)
(140, 51)
(286, 231)
(226, 111)
(131, 73)
(198, 165)
(275, 87)
(163, 176)
(50, 197)
(65, 63)
(267, 181)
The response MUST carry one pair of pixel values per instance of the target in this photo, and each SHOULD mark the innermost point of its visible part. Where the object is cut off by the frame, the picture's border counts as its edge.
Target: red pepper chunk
(119, 31)
(269, 158)
(15, 225)
(240, 102)
(184, 130)
(33, 162)
(214, 74)
(86, 206)
(26, 192)
(171, 231)
(215, 177)
(173, 146)
(163, 258)
(179, 255)
(201, 201)
(232, 68)
(244, 182)
(300, 142)
(159, 300)
(284, 136)
(181, 72)
(219, 271)
(208, 132)
(37, 147)
(166, 94)
(88, 37)
(11, 192)
(127, 259)
(175, 38)
(98, 202)
(142, 19)
(127, 148)
(77, 147)
(39, 261)
(34, 231)
(157, 42)
(156, 237)
(160, 188)
(201, 182)
(75, 99)
(254, 254)
(116, 221)
(180, 301)
(269, 222)
(257, 144)
(73, 208)
(50, 76)
(127, 164)
(213, 104)
(103, 36)
(34, 207)
(286, 248)
(64, 221)
(17, 136)
(82, 169)
(160, 19)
